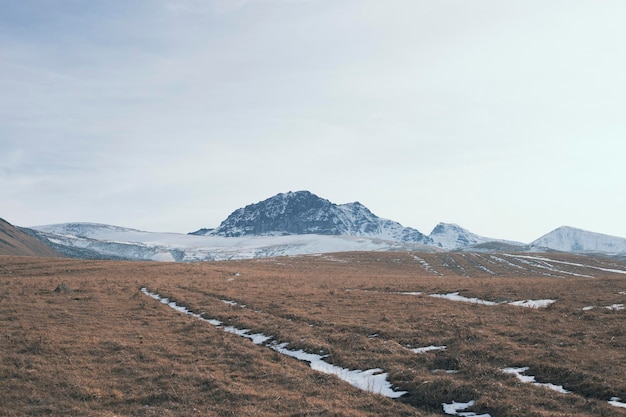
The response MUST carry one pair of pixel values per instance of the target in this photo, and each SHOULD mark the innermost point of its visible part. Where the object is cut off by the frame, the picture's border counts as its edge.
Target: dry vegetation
(98, 347)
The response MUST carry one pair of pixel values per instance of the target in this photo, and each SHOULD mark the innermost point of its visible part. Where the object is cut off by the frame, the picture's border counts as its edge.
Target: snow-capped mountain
(302, 212)
(452, 236)
(570, 239)
(296, 223)
(99, 241)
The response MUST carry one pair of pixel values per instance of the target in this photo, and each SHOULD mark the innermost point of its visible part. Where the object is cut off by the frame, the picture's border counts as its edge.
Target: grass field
(98, 346)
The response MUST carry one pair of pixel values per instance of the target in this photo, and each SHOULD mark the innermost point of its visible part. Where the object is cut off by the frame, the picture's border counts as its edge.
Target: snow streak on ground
(616, 402)
(428, 349)
(614, 307)
(426, 265)
(518, 372)
(532, 303)
(456, 409)
(547, 265)
(477, 259)
(504, 261)
(454, 296)
(372, 380)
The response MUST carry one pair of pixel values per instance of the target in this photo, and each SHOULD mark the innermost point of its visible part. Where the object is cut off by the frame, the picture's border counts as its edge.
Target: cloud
(407, 106)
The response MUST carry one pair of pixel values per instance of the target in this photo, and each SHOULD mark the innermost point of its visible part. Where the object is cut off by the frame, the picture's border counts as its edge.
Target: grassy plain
(99, 347)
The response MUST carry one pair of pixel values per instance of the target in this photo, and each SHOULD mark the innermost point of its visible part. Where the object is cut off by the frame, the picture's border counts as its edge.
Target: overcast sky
(507, 117)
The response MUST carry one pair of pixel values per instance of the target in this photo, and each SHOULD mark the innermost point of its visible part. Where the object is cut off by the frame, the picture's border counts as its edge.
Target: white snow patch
(533, 303)
(588, 308)
(410, 293)
(454, 296)
(455, 408)
(518, 372)
(615, 307)
(372, 380)
(233, 303)
(616, 402)
(428, 349)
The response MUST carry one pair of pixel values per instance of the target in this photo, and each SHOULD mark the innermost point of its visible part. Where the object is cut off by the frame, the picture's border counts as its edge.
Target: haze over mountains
(299, 223)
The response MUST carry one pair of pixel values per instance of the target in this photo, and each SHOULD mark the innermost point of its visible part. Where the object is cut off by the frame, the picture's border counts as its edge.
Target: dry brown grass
(105, 349)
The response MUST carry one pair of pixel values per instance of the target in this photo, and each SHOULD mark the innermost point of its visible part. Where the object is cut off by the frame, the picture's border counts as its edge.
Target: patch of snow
(615, 307)
(588, 308)
(518, 372)
(616, 402)
(428, 349)
(447, 371)
(372, 380)
(410, 293)
(533, 303)
(454, 296)
(456, 409)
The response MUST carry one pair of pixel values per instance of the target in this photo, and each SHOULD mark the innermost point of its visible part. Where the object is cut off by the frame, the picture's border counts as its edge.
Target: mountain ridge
(303, 212)
(297, 223)
(572, 239)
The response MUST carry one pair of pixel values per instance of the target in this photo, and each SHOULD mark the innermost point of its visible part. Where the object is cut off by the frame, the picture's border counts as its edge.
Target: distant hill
(16, 242)
(452, 236)
(570, 239)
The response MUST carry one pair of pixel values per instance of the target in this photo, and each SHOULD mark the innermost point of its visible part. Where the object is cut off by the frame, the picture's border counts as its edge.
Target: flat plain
(80, 337)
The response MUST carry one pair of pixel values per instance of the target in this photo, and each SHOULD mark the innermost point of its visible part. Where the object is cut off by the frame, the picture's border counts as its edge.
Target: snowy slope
(569, 239)
(302, 212)
(451, 236)
(121, 243)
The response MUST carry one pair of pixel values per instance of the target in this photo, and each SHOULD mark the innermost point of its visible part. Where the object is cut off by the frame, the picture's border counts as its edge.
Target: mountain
(570, 239)
(16, 241)
(100, 241)
(451, 236)
(297, 223)
(302, 212)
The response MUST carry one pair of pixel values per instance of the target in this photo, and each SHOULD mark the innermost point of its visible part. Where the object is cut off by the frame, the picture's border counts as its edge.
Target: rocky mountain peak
(303, 212)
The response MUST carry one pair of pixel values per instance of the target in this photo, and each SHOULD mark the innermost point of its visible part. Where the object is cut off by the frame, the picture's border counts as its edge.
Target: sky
(507, 117)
